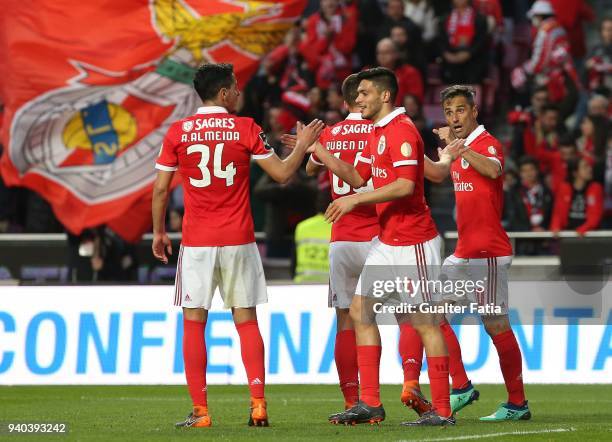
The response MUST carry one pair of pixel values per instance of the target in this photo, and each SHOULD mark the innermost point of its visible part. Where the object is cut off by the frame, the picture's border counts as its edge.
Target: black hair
(349, 89)
(550, 107)
(384, 79)
(458, 90)
(528, 160)
(210, 78)
(567, 140)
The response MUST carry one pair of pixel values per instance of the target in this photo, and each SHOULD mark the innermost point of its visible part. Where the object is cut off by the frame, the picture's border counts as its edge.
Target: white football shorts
(489, 278)
(408, 264)
(236, 270)
(346, 260)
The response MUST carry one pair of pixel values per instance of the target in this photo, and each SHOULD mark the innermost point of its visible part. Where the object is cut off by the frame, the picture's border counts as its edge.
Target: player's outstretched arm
(282, 170)
(439, 170)
(399, 188)
(161, 192)
(343, 170)
(312, 168)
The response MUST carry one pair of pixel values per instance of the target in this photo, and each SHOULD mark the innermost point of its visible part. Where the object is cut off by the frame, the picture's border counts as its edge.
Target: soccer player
(394, 159)
(351, 239)
(483, 249)
(212, 151)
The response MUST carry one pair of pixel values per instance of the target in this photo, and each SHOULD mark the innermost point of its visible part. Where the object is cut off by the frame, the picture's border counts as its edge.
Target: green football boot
(462, 397)
(509, 412)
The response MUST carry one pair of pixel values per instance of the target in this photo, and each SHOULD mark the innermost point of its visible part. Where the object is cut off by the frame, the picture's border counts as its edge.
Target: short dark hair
(384, 79)
(539, 89)
(528, 160)
(349, 89)
(210, 78)
(458, 90)
(550, 107)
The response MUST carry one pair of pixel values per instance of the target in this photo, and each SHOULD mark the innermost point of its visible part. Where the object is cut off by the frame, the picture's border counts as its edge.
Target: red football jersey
(346, 140)
(212, 151)
(396, 150)
(479, 202)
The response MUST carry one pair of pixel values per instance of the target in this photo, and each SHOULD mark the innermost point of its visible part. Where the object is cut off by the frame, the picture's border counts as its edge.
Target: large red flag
(90, 88)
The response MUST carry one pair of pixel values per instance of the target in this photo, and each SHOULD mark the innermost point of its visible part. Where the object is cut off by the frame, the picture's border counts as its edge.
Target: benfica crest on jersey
(88, 142)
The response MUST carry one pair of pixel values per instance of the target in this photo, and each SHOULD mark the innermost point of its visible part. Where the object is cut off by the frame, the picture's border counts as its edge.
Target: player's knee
(343, 319)
(195, 314)
(496, 325)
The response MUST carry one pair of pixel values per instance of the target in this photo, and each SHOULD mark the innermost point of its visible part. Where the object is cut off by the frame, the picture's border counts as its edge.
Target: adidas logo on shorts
(187, 298)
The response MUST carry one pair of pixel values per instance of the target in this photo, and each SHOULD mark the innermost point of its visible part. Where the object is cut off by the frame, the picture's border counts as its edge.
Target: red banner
(90, 88)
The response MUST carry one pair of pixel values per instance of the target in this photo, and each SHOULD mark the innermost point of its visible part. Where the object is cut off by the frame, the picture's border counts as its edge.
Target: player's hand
(453, 150)
(161, 245)
(444, 133)
(307, 135)
(339, 207)
(288, 140)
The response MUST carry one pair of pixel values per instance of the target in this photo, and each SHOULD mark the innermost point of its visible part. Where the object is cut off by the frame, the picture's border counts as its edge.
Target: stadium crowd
(539, 86)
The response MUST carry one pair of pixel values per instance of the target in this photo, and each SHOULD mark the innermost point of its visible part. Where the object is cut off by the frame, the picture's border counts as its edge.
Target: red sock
(252, 349)
(437, 368)
(368, 359)
(411, 352)
(194, 356)
(455, 362)
(511, 363)
(345, 354)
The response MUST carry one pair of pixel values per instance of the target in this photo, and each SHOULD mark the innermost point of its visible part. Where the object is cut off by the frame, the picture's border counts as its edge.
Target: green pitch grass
(297, 412)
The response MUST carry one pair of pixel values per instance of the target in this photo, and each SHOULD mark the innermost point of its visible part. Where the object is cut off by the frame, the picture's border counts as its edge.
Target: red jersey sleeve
(258, 145)
(405, 153)
(364, 163)
(492, 150)
(167, 160)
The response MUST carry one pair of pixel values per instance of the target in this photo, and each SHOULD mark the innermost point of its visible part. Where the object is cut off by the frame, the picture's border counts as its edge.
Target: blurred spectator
(394, 16)
(572, 14)
(113, 259)
(370, 19)
(463, 44)
(335, 100)
(330, 39)
(545, 136)
(523, 121)
(286, 63)
(529, 207)
(530, 203)
(559, 160)
(408, 77)
(579, 202)
(175, 220)
(599, 105)
(407, 52)
(421, 13)
(593, 138)
(492, 11)
(550, 64)
(599, 61)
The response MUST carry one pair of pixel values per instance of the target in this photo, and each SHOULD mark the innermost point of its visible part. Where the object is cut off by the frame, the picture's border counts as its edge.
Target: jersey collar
(386, 120)
(212, 110)
(354, 116)
(475, 134)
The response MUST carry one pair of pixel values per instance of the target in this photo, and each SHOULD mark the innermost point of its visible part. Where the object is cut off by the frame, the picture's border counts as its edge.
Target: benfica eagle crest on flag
(87, 134)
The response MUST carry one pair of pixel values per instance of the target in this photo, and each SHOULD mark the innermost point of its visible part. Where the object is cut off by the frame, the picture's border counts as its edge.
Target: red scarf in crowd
(461, 27)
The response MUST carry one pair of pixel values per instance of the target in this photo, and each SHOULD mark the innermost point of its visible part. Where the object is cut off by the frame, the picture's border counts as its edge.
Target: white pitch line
(508, 433)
